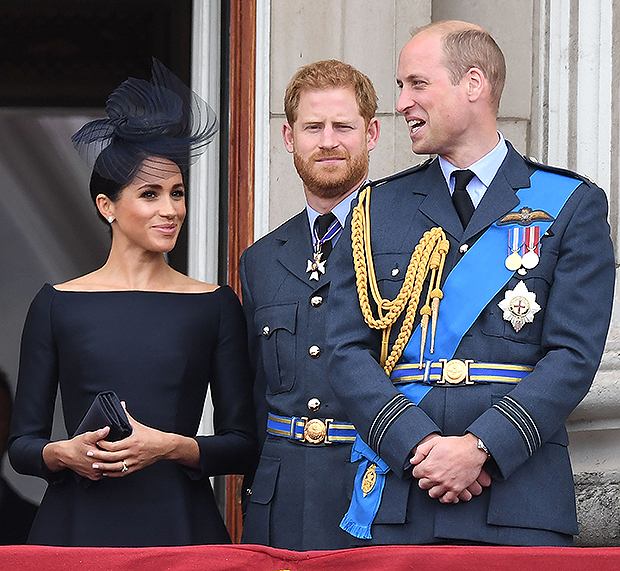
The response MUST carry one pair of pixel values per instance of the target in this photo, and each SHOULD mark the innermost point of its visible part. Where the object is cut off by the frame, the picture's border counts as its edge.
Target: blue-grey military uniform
(300, 489)
(531, 497)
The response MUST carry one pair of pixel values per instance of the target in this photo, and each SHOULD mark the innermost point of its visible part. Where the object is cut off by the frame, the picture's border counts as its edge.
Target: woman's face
(150, 213)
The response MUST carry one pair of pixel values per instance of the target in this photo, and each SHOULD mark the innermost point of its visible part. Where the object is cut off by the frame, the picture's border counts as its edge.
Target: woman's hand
(75, 453)
(144, 447)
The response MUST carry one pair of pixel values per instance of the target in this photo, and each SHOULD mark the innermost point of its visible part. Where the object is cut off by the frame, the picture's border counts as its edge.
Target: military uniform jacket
(300, 491)
(531, 498)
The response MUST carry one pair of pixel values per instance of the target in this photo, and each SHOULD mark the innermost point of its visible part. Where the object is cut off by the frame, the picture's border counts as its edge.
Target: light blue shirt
(341, 211)
(485, 170)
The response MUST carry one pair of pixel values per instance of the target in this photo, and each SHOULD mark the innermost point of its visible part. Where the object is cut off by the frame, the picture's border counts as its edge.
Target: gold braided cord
(428, 256)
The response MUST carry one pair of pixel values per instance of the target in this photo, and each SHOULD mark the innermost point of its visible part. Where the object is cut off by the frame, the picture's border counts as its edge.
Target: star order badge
(519, 306)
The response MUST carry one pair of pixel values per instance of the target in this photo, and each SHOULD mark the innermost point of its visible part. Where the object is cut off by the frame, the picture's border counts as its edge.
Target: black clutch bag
(106, 410)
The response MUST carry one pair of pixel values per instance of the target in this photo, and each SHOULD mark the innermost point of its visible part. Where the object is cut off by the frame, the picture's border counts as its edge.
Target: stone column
(575, 125)
(203, 207)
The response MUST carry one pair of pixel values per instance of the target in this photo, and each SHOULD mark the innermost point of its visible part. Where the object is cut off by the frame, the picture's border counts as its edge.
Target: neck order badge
(326, 227)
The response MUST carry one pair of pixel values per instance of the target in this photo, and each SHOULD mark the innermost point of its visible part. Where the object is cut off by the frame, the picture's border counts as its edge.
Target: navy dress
(160, 352)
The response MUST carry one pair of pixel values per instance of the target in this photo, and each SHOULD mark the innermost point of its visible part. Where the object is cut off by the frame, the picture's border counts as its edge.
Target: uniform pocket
(264, 485)
(395, 500)
(539, 495)
(538, 281)
(492, 322)
(390, 270)
(257, 520)
(276, 326)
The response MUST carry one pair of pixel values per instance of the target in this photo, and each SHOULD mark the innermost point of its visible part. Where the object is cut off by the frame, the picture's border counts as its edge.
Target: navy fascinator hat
(147, 121)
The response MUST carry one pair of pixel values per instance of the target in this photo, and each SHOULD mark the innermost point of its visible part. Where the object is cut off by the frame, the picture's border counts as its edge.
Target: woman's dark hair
(100, 185)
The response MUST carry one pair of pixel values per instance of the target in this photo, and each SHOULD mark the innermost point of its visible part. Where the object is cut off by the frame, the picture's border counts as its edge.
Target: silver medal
(530, 260)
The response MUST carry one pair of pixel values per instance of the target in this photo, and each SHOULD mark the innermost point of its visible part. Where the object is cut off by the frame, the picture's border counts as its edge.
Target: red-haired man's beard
(334, 179)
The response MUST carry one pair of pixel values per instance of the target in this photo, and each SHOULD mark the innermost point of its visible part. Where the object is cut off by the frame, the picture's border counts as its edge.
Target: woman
(137, 327)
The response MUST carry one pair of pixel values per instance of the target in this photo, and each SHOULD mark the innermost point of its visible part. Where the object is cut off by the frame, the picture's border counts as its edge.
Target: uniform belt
(457, 372)
(313, 430)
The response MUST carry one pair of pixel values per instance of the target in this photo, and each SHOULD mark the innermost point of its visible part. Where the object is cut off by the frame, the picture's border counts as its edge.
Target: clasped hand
(93, 457)
(117, 459)
(450, 467)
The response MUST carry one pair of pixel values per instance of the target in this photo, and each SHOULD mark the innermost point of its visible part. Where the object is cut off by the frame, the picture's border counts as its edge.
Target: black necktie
(460, 197)
(322, 224)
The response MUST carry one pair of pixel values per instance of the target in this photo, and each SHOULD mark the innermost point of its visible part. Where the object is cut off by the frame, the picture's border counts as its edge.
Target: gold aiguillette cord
(429, 256)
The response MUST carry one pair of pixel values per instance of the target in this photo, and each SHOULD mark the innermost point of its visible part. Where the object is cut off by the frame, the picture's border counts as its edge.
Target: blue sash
(549, 192)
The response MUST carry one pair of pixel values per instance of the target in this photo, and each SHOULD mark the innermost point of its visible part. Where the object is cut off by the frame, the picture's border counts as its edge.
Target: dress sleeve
(37, 385)
(232, 449)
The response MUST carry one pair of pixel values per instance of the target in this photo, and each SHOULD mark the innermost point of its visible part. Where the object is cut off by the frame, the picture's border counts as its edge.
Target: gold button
(316, 301)
(266, 331)
(314, 351)
(464, 248)
(314, 404)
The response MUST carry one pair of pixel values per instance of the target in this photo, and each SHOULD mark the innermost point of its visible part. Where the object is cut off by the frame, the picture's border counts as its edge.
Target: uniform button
(266, 331)
(314, 351)
(395, 272)
(314, 404)
(316, 301)
(464, 248)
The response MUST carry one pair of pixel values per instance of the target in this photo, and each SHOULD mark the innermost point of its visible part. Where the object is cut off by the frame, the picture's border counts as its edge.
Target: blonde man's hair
(466, 46)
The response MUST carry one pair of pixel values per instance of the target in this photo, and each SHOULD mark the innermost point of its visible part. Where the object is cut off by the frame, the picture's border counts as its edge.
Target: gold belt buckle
(315, 430)
(455, 372)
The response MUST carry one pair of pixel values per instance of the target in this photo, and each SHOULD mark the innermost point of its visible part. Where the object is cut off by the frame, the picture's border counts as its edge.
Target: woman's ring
(124, 468)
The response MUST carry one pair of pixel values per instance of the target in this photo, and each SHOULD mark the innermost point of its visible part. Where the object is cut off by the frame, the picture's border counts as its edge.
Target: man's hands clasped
(450, 467)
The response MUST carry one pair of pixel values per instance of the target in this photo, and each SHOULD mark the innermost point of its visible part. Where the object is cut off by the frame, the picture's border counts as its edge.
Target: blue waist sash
(547, 191)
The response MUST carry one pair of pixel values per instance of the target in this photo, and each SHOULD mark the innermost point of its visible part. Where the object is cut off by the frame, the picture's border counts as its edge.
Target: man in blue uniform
(462, 438)
(300, 488)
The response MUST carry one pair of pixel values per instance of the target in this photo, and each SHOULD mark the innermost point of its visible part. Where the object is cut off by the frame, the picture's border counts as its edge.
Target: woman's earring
(111, 219)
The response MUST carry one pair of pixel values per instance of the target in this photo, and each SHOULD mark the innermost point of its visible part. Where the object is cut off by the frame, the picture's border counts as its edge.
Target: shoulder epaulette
(559, 170)
(401, 174)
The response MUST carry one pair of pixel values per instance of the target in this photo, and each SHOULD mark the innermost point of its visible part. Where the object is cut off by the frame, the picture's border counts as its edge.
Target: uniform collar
(485, 170)
(341, 210)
